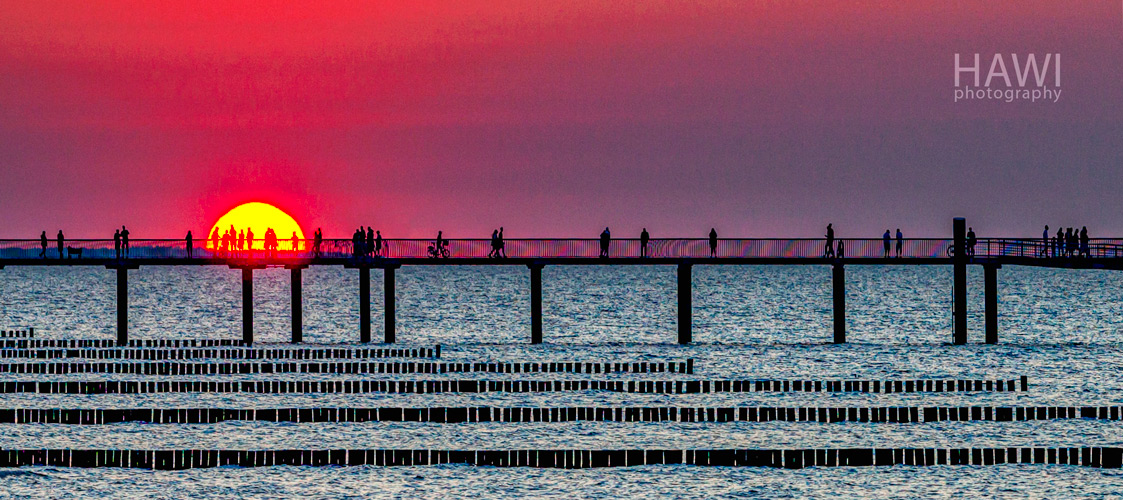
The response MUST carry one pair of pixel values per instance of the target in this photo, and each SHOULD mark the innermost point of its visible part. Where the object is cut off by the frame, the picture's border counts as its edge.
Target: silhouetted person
(1044, 243)
(271, 241)
(60, 243)
(828, 250)
(1068, 242)
(214, 240)
(605, 241)
(1058, 243)
(249, 239)
(43, 243)
(356, 246)
(502, 246)
(713, 242)
(438, 248)
(971, 242)
(885, 239)
(239, 241)
(643, 239)
(295, 242)
(125, 241)
(1085, 247)
(190, 245)
(900, 242)
(494, 244)
(317, 239)
(378, 243)
(370, 241)
(117, 243)
(841, 253)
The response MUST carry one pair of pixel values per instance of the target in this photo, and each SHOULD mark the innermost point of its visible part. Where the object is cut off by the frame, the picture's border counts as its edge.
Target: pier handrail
(549, 248)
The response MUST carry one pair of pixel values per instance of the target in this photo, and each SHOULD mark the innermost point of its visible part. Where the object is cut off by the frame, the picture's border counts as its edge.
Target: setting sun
(258, 218)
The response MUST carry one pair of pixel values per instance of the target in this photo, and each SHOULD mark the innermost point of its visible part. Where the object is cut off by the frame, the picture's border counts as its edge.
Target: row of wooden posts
(506, 386)
(478, 414)
(1100, 457)
(339, 367)
(217, 353)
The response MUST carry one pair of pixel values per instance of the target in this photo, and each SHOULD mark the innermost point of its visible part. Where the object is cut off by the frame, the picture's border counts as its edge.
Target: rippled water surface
(1059, 327)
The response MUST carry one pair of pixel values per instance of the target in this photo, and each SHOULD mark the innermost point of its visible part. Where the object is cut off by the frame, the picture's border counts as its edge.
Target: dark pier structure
(958, 252)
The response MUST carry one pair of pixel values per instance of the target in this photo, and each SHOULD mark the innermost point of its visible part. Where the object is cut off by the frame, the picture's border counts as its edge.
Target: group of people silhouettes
(645, 241)
(835, 248)
(364, 243)
(1068, 242)
(44, 243)
(887, 240)
(120, 242)
(498, 249)
(231, 242)
(120, 245)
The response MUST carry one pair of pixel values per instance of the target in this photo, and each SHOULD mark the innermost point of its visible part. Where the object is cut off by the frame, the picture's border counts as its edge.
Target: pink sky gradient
(554, 118)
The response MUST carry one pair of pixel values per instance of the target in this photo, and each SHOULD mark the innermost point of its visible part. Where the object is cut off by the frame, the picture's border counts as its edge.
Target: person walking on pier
(502, 251)
(295, 242)
(1058, 243)
(117, 244)
(828, 251)
(43, 243)
(900, 242)
(644, 237)
(886, 239)
(1085, 247)
(840, 253)
(605, 241)
(1044, 243)
(378, 243)
(190, 243)
(439, 250)
(971, 242)
(713, 242)
(125, 241)
(494, 244)
(60, 243)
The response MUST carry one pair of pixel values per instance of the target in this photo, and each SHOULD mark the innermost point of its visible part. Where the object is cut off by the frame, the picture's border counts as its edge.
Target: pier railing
(693, 248)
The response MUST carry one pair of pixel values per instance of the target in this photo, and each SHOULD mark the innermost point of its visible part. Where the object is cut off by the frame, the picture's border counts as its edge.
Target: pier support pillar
(990, 290)
(297, 286)
(959, 290)
(247, 306)
(122, 306)
(535, 303)
(391, 295)
(838, 273)
(685, 313)
(364, 305)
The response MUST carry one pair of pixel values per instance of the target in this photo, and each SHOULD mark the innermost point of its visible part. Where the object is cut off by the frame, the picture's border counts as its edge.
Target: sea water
(1059, 327)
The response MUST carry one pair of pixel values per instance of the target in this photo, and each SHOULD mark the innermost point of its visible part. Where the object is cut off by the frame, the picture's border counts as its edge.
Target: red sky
(554, 118)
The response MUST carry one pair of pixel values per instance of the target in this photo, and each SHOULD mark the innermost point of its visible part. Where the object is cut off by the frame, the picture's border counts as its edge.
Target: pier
(536, 254)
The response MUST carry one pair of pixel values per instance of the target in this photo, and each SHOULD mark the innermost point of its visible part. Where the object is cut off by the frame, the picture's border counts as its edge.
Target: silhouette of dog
(71, 252)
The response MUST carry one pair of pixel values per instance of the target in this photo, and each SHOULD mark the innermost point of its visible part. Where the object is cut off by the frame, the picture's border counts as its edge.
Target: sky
(556, 118)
